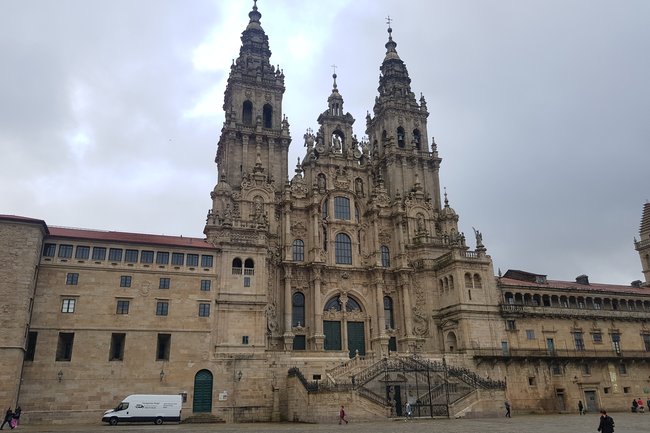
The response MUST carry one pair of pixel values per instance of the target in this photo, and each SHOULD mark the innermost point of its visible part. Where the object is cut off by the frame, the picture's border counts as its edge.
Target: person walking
(581, 408)
(9, 416)
(507, 405)
(408, 410)
(342, 415)
(17, 413)
(606, 423)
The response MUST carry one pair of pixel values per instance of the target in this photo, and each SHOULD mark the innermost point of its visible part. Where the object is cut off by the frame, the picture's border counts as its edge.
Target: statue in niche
(336, 142)
(420, 222)
(321, 181)
(358, 187)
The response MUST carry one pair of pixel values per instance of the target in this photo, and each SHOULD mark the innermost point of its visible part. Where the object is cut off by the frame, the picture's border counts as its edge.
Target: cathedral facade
(353, 261)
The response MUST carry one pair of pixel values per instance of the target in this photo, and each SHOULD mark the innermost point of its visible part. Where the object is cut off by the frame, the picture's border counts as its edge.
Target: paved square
(625, 423)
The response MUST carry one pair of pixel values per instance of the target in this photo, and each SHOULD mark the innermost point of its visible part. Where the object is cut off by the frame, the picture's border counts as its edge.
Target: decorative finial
(446, 200)
(334, 75)
(254, 5)
(389, 20)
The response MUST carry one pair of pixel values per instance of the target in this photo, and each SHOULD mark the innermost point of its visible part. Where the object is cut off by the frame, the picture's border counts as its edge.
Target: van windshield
(122, 406)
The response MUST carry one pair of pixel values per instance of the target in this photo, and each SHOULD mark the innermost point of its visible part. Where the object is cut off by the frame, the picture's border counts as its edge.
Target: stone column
(288, 334)
(318, 336)
(408, 310)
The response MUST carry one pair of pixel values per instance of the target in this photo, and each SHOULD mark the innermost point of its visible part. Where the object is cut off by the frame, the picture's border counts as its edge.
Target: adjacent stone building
(348, 282)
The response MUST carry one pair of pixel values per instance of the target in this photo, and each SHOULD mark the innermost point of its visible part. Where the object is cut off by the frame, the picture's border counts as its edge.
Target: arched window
(343, 249)
(249, 267)
(452, 343)
(325, 240)
(385, 256)
(357, 216)
(342, 208)
(384, 136)
(468, 281)
(401, 140)
(333, 304)
(451, 282)
(446, 283)
(298, 309)
(298, 250)
(247, 113)
(236, 266)
(352, 305)
(389, 320)
(477, 282)
(416, 138)
(324, 209)
(267, 115)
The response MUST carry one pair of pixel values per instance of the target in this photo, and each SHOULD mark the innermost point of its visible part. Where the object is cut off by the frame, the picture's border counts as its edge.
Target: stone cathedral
(345, 282)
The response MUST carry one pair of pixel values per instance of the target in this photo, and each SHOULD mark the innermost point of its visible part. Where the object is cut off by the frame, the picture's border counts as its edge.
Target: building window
(626, 390)
(192, 260)
(298, 309)
(401, 141)
(244, 339)
(49, 250)
(178, 259)
(67, 305)
(343, 249)
(616, 342)
(530, 334)
(125, 281)
(206, 285)
(342, 208)
(131, 256)
(146, 257)
(82, 252)
(204, 309)
(531, 381)
(389, 318)
(646, 343)
(247, 281)
(267, 115)
(325, 206)
(65, 251)
(164, 283)
(99, 253)
(556, 369)
(385, 256)
(607, 390)
(622, 368)
(206, 261)
(511, 325)
(579, 341)
(299, 342)
(163, 347)
(122, 307)
(247, 113)
(249, 267)
(64, 346)
(597, 304)
(298, 249)
(162, 308)
(71, 279)
(117, 347)
(586, 369)
(115, 254)
(162, 258)
(31, 345)
(237, 266)
(597, 337)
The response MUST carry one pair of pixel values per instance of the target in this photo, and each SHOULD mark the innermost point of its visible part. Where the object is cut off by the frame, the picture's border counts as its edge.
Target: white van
(146, 408)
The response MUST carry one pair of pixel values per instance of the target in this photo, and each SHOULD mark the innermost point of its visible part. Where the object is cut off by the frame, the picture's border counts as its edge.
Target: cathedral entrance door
(332, 331)
(202, 392)
(356, 339)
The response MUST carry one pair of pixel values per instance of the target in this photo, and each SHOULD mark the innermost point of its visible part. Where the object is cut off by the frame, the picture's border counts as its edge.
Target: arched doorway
(202, 392)
(344, 325)
(452, 344)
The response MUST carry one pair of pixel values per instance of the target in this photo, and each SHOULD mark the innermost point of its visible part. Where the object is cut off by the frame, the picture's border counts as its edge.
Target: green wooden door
(202, 392)
(356, 338)
(332, 332)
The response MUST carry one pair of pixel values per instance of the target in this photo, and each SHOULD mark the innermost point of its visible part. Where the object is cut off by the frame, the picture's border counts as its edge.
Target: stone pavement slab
(625, 423)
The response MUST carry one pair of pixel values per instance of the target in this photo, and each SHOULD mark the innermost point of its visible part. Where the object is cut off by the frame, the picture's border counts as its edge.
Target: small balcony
(559, 354)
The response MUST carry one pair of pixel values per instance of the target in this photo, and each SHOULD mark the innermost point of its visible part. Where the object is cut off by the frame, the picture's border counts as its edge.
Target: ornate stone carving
(271, 318)
(298, 229)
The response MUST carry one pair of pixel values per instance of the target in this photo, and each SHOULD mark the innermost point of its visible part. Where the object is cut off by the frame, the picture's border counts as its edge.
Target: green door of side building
(202, 392)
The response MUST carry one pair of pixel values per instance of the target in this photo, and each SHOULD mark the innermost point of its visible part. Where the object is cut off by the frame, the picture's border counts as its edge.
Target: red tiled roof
(572, 285)
(133, 238)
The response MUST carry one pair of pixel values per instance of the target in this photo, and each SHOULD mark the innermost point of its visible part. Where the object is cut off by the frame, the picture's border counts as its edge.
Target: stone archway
(451, 342)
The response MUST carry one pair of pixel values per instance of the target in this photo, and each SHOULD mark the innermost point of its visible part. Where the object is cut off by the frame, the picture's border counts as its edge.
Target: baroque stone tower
(643, 245)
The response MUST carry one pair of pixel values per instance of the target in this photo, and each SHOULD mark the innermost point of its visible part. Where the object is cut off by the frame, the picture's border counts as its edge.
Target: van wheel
(158, 421)
(112, 421)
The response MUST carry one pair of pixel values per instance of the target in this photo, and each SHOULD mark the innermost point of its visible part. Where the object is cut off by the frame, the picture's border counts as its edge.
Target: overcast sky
(110, 111)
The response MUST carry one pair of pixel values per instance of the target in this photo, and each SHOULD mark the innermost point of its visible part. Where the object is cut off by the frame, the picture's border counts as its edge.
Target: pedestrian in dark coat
(507, 405)
(9, 415)
(581, 408)
(17, 413)
(606, 423)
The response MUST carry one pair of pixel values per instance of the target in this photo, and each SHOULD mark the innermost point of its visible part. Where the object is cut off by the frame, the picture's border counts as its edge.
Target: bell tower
(643, 245)
(398, 132)
(255, 133)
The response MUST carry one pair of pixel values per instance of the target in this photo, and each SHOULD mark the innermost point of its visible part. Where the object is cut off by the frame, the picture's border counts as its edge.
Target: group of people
(11, 418)
(637, 405)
